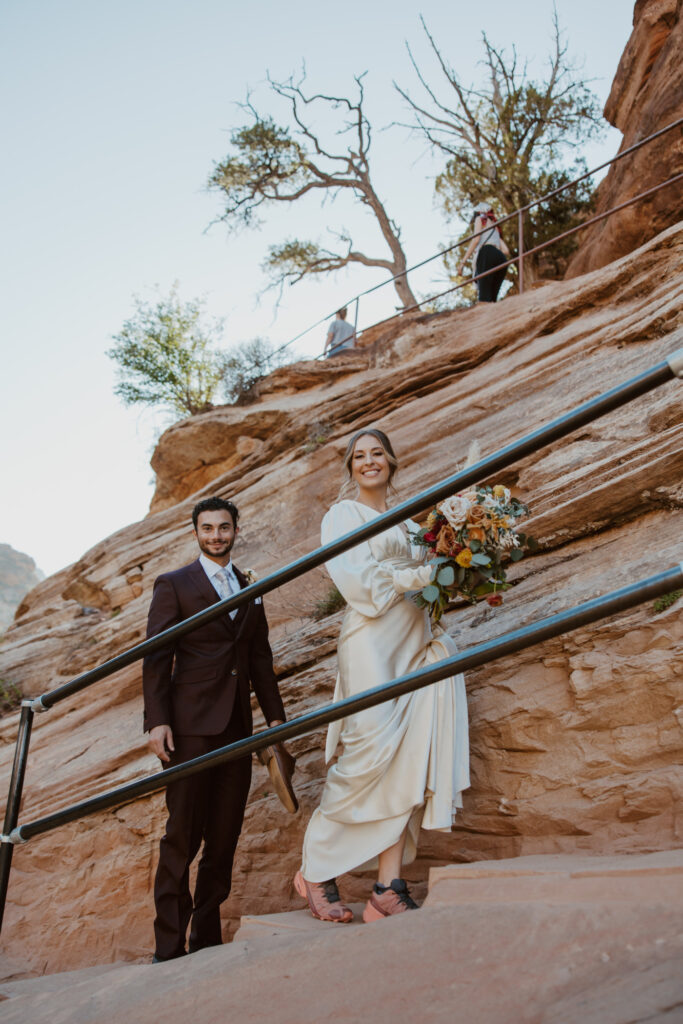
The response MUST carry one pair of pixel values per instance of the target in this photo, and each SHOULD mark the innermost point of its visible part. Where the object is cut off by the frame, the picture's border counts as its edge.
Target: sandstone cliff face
(576, 745)
(646, 95)
(18, 574)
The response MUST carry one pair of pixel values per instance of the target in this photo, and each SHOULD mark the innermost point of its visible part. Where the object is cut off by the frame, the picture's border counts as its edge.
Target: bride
(403, 764)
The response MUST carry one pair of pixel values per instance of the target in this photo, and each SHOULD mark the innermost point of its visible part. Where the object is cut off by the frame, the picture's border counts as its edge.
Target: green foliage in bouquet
(471, 538)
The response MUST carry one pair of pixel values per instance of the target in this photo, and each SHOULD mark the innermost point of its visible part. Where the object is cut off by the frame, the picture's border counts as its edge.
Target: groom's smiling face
(216, 533)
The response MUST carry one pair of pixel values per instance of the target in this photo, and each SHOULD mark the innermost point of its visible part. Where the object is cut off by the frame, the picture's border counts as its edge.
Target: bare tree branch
(275, 164)
(502, 137)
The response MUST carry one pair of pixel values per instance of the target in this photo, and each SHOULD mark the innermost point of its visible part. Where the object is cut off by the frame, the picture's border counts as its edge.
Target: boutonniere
(250, 575)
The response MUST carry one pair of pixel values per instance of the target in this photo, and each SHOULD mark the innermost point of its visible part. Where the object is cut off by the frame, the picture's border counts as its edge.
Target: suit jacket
(194, 683)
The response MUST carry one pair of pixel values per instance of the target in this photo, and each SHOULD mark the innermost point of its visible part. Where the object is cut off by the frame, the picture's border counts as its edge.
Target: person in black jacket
(489, 250)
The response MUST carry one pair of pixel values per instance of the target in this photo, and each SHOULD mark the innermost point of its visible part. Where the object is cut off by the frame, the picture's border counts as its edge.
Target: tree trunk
(403, 289)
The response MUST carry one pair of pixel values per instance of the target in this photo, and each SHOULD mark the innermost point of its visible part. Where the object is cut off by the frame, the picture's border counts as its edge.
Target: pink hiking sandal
(323, 899)
(387, 900)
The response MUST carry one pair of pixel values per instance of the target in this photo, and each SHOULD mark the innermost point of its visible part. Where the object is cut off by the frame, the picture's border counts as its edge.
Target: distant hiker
(196, 691)
(341, 336)
(490, 251)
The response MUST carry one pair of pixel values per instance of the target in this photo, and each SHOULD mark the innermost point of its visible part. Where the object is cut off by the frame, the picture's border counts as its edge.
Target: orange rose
(464, 559)
(476, 533)
(446, 540)
(478, 516)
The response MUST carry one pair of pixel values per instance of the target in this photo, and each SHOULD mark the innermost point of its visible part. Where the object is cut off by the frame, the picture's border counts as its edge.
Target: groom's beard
(217, 551)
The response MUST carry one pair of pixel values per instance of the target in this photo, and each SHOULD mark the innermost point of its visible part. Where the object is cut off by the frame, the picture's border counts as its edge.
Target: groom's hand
(161, 741)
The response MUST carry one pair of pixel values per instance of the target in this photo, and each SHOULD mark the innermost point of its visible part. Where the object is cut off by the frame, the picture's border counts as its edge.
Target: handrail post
(16, 788)
(520, 249)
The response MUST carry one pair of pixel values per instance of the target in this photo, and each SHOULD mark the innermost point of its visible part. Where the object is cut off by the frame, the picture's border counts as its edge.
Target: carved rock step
(594, 939)
(561, 879)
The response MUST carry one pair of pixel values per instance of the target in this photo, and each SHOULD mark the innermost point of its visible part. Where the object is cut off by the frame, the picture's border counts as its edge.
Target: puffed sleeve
(369, 586)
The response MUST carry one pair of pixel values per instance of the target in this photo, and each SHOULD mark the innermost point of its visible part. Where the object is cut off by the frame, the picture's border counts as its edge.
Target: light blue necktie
(225, 587)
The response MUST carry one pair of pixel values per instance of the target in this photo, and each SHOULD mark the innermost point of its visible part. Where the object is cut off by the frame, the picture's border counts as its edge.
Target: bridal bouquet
(472, 536)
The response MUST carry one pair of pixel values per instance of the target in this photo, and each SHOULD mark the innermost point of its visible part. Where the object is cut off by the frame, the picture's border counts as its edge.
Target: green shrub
(329, 604)
(666, 600)
(318, 434)
(10, 697)
(245, 365)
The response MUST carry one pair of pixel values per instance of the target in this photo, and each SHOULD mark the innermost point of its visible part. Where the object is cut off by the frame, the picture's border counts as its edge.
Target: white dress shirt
(211, 568)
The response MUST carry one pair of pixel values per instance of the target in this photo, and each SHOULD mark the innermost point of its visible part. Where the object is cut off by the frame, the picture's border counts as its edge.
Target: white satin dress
(405, 762)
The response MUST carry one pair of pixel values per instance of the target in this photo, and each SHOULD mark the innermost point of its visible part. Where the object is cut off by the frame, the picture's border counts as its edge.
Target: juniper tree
(504, 141)
(273, 163)
(165, 355)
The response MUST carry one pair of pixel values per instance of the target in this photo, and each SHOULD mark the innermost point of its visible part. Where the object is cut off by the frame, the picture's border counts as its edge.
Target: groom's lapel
(202, 583)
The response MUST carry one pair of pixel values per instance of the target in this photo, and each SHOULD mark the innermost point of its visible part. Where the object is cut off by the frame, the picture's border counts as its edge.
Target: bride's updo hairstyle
(349, 485)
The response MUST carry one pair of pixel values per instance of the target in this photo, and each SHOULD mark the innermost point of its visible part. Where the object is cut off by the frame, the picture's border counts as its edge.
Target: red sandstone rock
(576, 745)
(647, 94)
(552, 940)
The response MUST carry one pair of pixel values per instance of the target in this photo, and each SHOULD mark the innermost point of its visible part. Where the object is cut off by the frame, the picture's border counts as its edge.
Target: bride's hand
(414, 578)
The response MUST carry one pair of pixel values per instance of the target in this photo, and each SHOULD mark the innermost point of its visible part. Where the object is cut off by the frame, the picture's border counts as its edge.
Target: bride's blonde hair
(349, 485)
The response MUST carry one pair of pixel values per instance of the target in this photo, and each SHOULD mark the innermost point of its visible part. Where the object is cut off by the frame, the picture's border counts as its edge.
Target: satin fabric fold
(405, 762)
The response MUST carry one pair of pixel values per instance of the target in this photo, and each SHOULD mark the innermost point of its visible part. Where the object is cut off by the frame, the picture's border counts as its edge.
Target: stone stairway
(534, 940)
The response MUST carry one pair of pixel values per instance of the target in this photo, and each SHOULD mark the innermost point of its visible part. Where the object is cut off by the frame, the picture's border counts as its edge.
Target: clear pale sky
(112, 117)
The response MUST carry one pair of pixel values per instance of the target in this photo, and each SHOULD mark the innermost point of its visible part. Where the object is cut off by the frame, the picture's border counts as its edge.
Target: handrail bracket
(36, 705)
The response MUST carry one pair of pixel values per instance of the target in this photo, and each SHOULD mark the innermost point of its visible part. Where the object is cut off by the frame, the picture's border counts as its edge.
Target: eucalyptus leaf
(430, 593)
(516, 554)
(480, 559)
(446, 576)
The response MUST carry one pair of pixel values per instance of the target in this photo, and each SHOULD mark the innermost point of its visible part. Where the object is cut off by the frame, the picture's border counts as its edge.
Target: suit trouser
(208, 806)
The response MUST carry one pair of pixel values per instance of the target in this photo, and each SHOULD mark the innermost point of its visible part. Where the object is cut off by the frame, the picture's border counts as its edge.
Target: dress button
(233, 672)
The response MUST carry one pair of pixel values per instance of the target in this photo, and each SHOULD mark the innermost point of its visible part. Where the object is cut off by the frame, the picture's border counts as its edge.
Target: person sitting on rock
(341, 336)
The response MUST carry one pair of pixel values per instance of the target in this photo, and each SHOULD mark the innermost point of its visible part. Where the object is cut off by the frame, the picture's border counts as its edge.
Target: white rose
(455, 510)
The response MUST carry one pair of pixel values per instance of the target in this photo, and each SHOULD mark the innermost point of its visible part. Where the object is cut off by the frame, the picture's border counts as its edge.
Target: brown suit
(200, 685)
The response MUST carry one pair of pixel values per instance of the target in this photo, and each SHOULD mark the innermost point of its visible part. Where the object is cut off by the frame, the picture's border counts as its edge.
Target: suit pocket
(201, 674)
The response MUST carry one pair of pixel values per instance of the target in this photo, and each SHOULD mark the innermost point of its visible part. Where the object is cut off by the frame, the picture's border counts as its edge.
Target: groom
(196, 695)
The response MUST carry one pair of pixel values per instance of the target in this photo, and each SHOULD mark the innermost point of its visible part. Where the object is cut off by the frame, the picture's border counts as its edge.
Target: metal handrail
(519, 214)
(537, 248)
(491, 650)
(641, 384)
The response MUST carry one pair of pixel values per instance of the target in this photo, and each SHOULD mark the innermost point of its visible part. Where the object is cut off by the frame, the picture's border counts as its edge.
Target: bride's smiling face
(369, 464)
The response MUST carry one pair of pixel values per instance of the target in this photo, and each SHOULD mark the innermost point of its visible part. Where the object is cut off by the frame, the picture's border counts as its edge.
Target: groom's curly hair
(214, 505)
